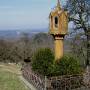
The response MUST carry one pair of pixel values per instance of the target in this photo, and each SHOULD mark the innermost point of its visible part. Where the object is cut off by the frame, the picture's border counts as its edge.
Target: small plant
(68, 65)
(42, 61)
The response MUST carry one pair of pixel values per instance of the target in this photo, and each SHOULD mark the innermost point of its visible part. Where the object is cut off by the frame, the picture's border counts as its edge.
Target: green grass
(10, 81)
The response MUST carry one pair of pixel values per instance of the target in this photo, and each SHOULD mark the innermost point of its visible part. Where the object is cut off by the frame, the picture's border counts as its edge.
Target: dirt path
(11, 68)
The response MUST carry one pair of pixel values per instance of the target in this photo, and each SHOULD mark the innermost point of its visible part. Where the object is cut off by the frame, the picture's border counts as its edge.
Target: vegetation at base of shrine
(43, 63)
(67, 65)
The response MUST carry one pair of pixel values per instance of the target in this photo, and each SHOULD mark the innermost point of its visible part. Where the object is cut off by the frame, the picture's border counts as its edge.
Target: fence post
(45, 83)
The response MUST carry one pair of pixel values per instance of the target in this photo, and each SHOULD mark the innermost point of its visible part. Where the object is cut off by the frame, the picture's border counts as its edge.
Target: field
(9, 79)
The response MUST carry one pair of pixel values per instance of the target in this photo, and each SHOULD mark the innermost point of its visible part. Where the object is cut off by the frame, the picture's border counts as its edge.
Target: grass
(10, 81)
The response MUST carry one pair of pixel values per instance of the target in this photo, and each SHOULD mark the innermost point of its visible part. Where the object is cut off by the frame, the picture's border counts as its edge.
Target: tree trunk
(88, 49)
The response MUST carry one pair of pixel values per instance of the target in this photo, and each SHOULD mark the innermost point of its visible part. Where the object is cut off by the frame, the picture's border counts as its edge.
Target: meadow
(9, 79)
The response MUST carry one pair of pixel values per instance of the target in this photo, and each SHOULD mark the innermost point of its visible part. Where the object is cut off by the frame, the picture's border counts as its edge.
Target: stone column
(58, 48)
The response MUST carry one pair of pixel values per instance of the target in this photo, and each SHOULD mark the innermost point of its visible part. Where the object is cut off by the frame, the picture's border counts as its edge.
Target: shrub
(68, 65)
(42, 61)
(43, 64)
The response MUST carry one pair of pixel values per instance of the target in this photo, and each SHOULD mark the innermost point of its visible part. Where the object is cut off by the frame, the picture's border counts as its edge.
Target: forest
(23, 48)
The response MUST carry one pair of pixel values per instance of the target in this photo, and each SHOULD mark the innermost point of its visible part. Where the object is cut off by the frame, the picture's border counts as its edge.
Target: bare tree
(26, 47)
(79, 11)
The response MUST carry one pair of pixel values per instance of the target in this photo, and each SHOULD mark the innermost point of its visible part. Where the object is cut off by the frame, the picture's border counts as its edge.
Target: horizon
(25, 14)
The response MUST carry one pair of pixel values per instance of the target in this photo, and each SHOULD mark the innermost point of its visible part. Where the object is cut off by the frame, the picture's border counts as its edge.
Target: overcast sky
(25, 14)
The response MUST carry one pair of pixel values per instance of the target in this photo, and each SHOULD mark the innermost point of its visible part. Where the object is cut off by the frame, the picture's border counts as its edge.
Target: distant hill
(17, 33)
(9, 34)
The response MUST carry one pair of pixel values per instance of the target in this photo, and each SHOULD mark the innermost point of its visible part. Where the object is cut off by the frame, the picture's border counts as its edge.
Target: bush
(68, 65)
(43, 64)
(42, 61)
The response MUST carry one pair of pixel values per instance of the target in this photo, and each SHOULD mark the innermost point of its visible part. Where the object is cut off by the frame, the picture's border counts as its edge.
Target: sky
(25, 14)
